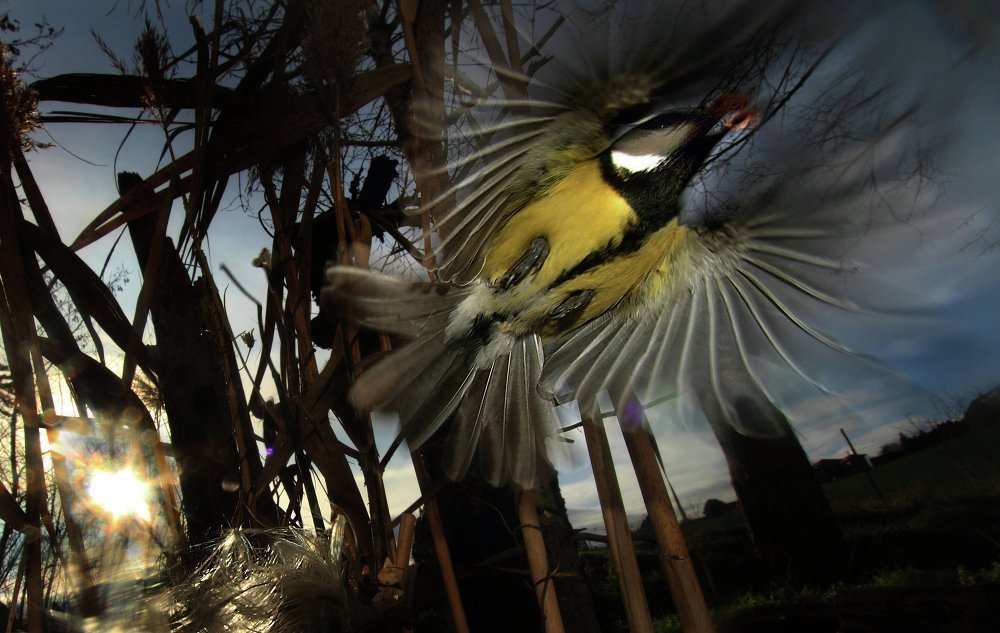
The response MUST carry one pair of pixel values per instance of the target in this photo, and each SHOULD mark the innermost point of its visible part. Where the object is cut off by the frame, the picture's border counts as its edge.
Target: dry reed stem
(66, 493)
(64, 486)
(619, 536)
(513, 89)
(150, 283)
(34, 195)
(12, 611)
(406, 524)
(354, 245)
(246, 446)
(538, 561)
(10, 512)
(17, 325)
(243, 145)
(295, 303)
(510, 33)
(448, 577)
(692, 610)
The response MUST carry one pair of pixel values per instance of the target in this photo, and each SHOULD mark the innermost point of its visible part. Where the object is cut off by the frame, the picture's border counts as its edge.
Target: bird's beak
(697, 149)
(729, 113)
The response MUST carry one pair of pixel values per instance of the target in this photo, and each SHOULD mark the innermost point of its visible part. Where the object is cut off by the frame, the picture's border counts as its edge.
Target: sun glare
(120, 494)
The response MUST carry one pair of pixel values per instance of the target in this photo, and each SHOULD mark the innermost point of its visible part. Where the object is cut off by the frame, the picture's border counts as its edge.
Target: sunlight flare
(120, 494)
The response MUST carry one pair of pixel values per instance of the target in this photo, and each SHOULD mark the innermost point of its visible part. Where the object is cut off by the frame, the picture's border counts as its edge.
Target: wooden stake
(441, 549)
(619, 536)
(406, 524)
(538, 561)
(692, 611)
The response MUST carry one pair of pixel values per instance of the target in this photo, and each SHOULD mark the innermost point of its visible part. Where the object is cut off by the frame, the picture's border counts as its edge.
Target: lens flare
(120, 494)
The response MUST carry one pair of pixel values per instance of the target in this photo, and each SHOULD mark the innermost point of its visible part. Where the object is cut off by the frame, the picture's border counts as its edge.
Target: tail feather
(501, 418)
(383, 384)
(505, 420)
(423, 381)
(429, 401)
(463, 441)
(501, 428)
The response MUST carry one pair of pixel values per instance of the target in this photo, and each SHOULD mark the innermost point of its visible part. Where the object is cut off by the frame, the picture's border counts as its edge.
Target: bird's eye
(643, 117)
(631, 115)
(665, 120)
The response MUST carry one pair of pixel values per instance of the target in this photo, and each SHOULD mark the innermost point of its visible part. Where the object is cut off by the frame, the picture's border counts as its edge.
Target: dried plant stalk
(538, 561)
(692, 610)
(619, 536)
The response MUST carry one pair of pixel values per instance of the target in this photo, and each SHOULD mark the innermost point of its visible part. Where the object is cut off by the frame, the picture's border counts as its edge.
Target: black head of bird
(654, 160)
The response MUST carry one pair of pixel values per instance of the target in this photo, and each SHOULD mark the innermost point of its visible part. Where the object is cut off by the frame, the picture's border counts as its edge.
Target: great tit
(594, 241)
(599, 240)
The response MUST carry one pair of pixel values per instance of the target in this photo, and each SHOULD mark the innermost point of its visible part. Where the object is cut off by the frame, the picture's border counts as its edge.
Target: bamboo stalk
(619, 536)
(692, 610)
(461, 624)
(538, 561)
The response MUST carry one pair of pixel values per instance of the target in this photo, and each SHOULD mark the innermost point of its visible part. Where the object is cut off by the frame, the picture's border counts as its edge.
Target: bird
(672, 208)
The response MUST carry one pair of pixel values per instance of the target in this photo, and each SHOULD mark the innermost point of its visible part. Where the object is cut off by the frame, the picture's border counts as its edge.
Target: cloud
(401, 487)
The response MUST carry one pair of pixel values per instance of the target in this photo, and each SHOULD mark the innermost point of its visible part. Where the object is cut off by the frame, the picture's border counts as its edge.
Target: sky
(947, 348)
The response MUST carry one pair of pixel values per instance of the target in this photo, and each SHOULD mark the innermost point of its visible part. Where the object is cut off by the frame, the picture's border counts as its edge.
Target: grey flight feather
(500, 414)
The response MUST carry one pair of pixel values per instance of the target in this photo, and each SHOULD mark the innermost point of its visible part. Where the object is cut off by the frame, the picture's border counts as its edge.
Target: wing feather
(390, 304)
(504, 420)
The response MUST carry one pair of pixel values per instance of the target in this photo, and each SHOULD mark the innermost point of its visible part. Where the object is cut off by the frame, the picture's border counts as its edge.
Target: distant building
(985, 409)
(716, 508)
(838, 468)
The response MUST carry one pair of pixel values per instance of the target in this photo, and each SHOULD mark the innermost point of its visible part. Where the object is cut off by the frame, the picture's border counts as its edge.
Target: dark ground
(927, 559)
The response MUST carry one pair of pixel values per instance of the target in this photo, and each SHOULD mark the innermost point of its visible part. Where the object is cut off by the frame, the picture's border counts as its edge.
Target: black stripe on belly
(653, 211)
(632, 241)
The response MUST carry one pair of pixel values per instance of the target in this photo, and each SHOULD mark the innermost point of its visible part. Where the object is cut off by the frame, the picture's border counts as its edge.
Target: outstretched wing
(804, 267)
(758, 313)
(522, 124)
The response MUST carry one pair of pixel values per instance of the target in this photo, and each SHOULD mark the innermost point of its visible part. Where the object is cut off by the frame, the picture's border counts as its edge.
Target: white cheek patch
(632, 163)
(644, 150)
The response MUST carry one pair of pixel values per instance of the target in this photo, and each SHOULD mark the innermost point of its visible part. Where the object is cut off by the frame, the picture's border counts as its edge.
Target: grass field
(969, 464)
(941, 516)
(938, 526)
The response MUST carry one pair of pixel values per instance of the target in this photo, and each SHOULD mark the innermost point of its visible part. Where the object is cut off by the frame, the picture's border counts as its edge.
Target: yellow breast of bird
(580, 216)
